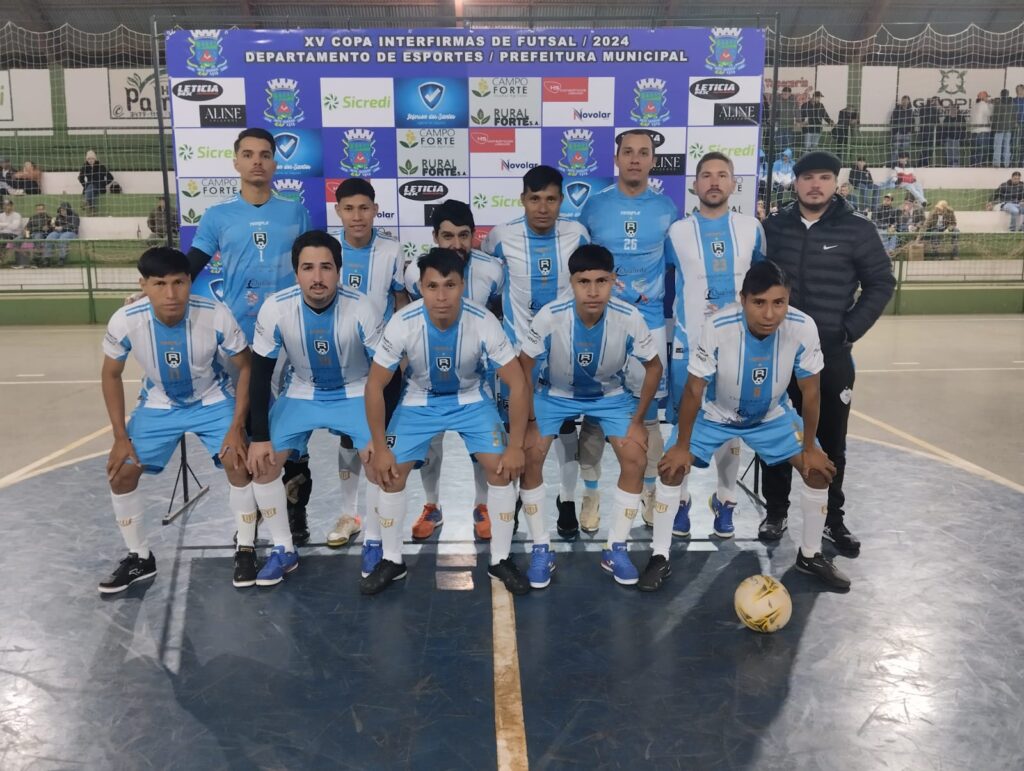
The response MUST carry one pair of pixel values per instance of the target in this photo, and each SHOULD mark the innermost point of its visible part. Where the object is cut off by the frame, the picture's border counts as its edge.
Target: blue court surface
(917, 667)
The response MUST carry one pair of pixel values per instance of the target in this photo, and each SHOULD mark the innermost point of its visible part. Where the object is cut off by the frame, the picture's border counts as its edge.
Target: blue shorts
(155, 434)
(776, 441)
(293, 421)
(613, 413)
(412, 428)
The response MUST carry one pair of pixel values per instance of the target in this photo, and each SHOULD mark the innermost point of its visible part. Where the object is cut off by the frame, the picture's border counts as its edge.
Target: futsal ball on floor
(763, 604)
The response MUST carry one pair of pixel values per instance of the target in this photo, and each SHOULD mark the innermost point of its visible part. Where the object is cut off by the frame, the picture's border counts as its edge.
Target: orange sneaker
(482, 522)
(430, 519)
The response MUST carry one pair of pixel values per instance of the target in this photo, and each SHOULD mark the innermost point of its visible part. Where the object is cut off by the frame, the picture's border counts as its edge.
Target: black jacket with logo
(827, 263)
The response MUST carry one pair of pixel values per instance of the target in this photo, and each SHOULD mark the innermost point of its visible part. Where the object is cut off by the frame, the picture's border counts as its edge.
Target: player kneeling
(583, 345)
(328, 334)
(449, 342)
(175, 337)
(740, 371)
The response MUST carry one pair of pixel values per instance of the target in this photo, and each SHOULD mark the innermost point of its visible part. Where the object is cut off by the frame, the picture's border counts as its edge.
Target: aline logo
(649, 102)
(283, 109)
(206, 56)
(725, 55)
(290, 190)
(431, 94)
(360, 160)
(578, 193)
(577, 153)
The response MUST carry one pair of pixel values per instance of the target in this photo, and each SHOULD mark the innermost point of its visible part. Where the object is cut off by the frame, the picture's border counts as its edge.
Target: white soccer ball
(763, 604)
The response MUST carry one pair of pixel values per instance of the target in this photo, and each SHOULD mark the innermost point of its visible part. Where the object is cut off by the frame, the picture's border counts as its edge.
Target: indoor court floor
(916, 667)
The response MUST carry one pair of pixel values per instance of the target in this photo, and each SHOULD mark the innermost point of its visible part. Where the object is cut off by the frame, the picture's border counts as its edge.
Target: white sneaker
(590, 518)
(344, 530)
(647, 507)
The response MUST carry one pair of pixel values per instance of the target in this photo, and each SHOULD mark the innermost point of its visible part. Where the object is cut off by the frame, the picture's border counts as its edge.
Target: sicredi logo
(566, 89)
(197, 90)
(715, 88)
(423, 190)
(492, 140)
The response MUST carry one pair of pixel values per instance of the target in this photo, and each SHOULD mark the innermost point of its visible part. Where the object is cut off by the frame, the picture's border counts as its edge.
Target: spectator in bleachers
(903, 176)
(865, 192)
(813, 117)
(12, 224)
(783, 175)
(1009, 197)
(981, 130)
(1004, 121)
(941, 221)
(37, 229)
(28, 181)
(64, 228)
(901, 124)
(6, 178)
(887, 220)
(1018, 101)
(94, 178)
(911, 216)
(928, 119)
(157, 222)
(786, 113)
(952, 132)
(846, 128)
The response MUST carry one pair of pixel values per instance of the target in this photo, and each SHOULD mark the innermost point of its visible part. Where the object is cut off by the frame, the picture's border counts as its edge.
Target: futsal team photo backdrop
(432, 114)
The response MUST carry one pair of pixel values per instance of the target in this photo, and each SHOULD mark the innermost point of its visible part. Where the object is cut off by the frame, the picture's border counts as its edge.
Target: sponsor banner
(955, 85)
(503, 152)
(201, 103)
(205, 152)
(579, 101)
(283, 101)
(417, 198)
(740, 144)
(576, 192)
(579, 152)
(496, 200)
(669, 149)
(368, 102)
(431, 102)
(743, 198)
(415, 241)
(707, 97)
(385, 196)
(433, 152)
(650, 102)
(99, 98)
(25, 103)
(359, 152)
(197, 194)
(505, 102)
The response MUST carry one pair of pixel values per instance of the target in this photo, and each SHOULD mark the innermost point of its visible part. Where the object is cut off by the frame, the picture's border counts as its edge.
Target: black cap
(818, 160)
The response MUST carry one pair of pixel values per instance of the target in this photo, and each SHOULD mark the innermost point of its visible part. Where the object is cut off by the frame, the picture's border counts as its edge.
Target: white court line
(16, 476)
(509, 725)
(953, 460)
(932, 369)
(32, 374)
(62, 464)
(48, 382)
(906, 363)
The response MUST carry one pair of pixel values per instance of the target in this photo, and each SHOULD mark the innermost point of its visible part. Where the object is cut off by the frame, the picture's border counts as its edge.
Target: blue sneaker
(617, 562)
(723, 516)
(681, 524)
(373, 552)
(278, 564)
(542, 564)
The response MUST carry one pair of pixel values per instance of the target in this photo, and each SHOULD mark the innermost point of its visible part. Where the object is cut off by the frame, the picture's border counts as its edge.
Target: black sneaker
(845, 541)
(823, 569)
(771, 529)
(297, 524)
(568, 526)
(245, 567)
(508, 573)
(654, 574)
(130, 570)
(382, 576)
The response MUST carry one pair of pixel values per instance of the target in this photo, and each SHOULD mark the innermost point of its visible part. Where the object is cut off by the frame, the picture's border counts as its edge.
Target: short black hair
(540, 177)
(444, 261)
(354, 186)
(316, 238)
(160, 261)
(456, 212)
(762, 276)
(591, 257)
(714, 155)
(256, 133)
(634, 132)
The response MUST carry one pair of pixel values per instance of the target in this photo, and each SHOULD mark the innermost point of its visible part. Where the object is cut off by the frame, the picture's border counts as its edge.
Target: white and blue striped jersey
(484, 278)
(747, 377)
(578, 362)
(180, 363)
(633, 229)
(329, 351)
(711, 257)
(255, 247)
(374, 270)
(536, 268)
(445, 366)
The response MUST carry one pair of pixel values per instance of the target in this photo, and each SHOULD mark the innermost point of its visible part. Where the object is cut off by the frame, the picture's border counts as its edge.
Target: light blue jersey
(484, 278)
(180, 363)
(254, 244)
(374, 270)
(633, 229)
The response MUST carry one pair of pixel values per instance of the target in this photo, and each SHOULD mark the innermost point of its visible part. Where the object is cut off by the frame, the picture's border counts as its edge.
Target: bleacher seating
(147, 182)
(113, 228)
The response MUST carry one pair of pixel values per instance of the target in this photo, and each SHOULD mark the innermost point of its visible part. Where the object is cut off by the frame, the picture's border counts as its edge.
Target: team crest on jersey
(585, 358)
(260, 239)
(544, 265)
(321, 347)
(759, 375)
(390, 439)
(718, 248)
(631, 227)
(173, 359)
(443, 363)
(355, 280)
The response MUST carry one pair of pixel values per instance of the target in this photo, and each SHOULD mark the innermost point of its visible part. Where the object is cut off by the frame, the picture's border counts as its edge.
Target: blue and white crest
(726, 51)
(206, 55)
(283, 108)
(578, 153)
(578, 193)
(431, 93)
(287, 144)
(360, 159)
(649, 102)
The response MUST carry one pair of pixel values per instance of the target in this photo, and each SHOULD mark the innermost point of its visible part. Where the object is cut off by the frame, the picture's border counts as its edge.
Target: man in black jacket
(830, 251)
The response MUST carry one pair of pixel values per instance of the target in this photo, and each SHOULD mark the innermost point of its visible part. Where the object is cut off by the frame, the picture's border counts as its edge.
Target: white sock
(128, 513)
(371, 522)
(591, 448)
(727, 464)
(626, 507)
(430, 471)
(655, 447)
(242, 502)
(666, 502)
(501, 503)
(349, 467)
(480, 484)
(533, 508)
(567, 446)
(273, 502)
(391, 508)
(684, 489)
(814, 506)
